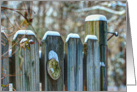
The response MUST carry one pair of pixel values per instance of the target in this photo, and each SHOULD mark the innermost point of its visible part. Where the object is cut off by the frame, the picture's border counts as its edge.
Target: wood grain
(27, 78)
(74, 65)
(4, 61)
(56, 44)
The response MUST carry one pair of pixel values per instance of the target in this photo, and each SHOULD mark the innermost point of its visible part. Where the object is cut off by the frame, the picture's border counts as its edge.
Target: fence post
(97, 25)
(4, 62)
(26, 57)
(92, 63)
(52, 62)
(73, 63)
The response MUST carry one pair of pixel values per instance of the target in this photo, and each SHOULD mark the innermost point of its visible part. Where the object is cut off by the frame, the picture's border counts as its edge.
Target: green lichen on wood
(54, 69)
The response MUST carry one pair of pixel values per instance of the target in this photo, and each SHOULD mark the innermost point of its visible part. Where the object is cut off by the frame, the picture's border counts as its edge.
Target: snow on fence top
(50, 33)
(72, 35)
(23, 40)
(96, 18)
(2, 31)
(22, 32)
(92, 37)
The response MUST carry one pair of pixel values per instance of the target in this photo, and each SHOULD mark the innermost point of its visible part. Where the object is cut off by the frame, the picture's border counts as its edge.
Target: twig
(8, 18)
(13, 45)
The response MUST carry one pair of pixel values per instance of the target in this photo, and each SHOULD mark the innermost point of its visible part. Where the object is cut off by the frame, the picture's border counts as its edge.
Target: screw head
(116, 34)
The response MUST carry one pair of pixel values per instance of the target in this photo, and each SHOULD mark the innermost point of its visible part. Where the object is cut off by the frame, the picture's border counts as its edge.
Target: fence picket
(97, 25)
(26, 61)
(75, 71)
(74, 63)
(92, 63)
(52, 48)
(4, 61)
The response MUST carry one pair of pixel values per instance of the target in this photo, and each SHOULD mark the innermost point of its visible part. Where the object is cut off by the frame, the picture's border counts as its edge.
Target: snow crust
(39, 53)
(102, 64)
(23, 40)
(2, 31)
(31, 40)
(50, 33)
(96, 18)
(10, 87)
(10, 52)
(53, 55)
(52, 70)
(92, 37)
(22, 32)
(72, 35)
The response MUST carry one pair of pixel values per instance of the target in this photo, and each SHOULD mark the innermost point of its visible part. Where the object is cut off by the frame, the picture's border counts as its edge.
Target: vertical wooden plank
(52, 41)
(79, 66)
(4, 61)
(97, 65)
(27, 74)
(92, 64)
(74, 63)
(37, 73)
(97, 25)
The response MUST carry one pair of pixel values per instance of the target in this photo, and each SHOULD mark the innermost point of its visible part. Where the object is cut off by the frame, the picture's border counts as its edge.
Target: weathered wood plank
(97, 25)
(74, 63)
(52, 41)
(92, 65)
(4, 61)
(26, 61)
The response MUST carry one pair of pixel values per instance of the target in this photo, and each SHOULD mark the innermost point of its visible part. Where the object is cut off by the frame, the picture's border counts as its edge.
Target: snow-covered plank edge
(22, 32)
(72, 35)
(2, 31)
(96, 18)
(91, 37)
(50, 33)
(23, 40)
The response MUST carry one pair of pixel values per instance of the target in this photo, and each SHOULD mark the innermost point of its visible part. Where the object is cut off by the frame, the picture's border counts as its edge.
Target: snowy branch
(101, 8)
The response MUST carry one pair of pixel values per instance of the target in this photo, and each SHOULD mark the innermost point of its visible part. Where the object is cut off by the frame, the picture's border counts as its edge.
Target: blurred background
(69, 17)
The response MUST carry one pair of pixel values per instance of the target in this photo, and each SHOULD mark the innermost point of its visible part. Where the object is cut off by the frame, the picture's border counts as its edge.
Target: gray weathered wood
(97, 25)
(27, 78)
(74, 63)
(52, 41)
(4, 61)
(92, 64)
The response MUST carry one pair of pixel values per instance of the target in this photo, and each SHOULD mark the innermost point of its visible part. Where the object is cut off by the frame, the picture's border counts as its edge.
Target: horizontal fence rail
(56, 66)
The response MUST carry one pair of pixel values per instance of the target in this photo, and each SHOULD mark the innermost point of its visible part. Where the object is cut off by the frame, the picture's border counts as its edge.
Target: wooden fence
(70, 65)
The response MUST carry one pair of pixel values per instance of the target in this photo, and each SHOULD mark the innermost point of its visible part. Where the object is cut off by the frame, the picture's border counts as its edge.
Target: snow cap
(22, 32)
(96, 18)
(72, 35)
(92, 37)
(50, 33)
